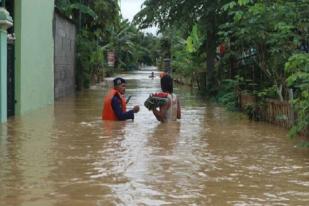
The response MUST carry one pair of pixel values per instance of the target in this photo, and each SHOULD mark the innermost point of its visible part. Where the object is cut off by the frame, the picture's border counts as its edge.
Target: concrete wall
(3, 75)
(34, 53)
(64, 36)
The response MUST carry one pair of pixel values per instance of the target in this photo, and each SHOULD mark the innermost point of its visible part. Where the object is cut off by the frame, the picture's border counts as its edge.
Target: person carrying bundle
(164, 105)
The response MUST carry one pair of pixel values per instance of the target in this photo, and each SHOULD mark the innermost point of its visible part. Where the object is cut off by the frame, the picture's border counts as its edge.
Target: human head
(162, 74)
(167, 83)
(120, 85)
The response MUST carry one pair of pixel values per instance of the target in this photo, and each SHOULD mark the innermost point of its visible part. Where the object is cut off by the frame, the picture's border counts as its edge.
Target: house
(34, 54)
(27, 57)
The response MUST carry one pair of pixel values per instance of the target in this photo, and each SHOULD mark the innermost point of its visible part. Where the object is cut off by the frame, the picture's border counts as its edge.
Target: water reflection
(165, 136)
(66, 155)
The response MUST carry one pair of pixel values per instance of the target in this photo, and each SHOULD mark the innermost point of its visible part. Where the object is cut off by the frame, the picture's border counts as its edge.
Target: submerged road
(65, 155)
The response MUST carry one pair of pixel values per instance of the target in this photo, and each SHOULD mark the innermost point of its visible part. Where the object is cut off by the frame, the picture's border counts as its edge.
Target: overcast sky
(130, 7)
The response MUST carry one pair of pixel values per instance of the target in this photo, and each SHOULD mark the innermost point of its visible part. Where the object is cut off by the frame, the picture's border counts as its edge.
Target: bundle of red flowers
(160, 94)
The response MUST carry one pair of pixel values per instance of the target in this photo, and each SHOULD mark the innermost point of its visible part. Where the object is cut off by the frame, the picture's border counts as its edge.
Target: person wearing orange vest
(114, 106)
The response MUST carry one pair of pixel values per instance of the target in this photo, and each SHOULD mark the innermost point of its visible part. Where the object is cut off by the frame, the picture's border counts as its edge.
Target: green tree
(270, 28)
(297, 69)
(150, 52)
(102, 29)
(185, 14)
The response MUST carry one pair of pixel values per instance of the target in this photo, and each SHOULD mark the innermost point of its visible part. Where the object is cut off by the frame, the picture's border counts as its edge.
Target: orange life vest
(108, 112)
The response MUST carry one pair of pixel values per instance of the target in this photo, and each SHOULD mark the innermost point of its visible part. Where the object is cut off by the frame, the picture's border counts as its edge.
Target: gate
(10, 80)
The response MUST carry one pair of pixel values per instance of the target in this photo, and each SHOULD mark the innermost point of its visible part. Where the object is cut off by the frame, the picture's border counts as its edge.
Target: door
(10, 80)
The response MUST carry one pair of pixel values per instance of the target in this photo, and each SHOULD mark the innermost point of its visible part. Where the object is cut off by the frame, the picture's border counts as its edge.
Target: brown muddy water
(64, 155)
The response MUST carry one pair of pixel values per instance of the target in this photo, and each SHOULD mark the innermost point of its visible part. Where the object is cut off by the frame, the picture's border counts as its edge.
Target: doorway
(9, 4)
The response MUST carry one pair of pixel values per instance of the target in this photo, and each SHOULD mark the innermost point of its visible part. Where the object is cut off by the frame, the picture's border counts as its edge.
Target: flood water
(65, 155)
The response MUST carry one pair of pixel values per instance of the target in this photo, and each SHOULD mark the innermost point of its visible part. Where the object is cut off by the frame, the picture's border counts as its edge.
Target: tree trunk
(211, 54)
(279, 92)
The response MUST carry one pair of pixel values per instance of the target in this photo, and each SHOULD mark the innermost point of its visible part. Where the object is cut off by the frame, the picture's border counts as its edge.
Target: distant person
(151, 75)
(114, 106)
(170, 111)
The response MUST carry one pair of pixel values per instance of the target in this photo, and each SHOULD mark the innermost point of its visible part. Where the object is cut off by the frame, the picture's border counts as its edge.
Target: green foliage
(276, 23)
(184, 51)
(258, 34)
(89, 59)
(250, 110)
(149, 50)
(304, 144)
(298, 69)
(194, 41)
(228, 92)
(229, 100)
(131, 46)
(68, 7)
(297, 63)
(184, 15)
(101, 29)
(267, 92)
(81, 8)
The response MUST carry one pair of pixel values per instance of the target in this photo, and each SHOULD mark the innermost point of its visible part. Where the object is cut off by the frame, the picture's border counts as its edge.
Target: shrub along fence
(273, 111)
(196, 79)
(183, 80)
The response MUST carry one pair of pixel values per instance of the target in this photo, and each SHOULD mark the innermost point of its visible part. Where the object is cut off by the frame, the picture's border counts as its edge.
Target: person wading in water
(114, 105)
(171, 110)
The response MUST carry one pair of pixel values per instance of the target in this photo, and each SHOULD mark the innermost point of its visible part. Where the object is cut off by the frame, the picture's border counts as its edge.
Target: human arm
(116, 105)
(161, 113)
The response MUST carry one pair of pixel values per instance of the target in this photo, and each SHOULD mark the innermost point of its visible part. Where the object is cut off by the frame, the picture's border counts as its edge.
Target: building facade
(31, 61)
(34, 54)
(37, 56)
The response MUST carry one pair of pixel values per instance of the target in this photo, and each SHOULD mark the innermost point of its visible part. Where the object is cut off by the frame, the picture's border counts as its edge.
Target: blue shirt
(117, 107)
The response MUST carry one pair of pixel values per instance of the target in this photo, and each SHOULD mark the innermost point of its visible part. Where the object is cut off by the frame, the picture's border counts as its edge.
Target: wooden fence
(246, 100)
(279, 113)
(273, 111)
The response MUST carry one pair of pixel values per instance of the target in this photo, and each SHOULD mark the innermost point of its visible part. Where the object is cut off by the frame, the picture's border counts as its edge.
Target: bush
(297, 69)
(228, 93)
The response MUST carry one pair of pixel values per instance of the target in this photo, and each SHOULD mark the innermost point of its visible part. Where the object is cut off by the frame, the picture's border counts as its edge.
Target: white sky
(131, 7)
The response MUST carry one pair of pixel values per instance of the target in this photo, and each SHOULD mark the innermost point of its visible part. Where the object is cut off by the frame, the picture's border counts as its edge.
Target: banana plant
(69, 6)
